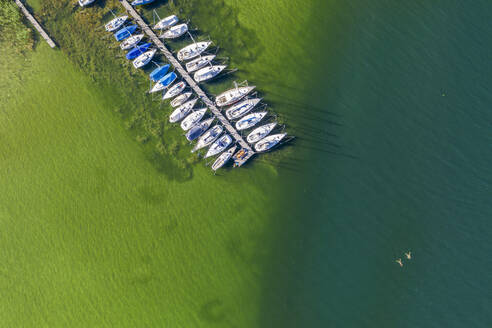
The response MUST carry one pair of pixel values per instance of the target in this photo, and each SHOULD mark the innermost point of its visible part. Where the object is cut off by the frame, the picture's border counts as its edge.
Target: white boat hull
(242, 108)
(179, 113)
(198, 63)
(250, 120)
(175, 31)
(223, 158)
(260, 132)
(219, 146)
(179, 100)
(208, 137)
(144, 58)
(269, 142)
(208, 73)
(193, 119)
(233, 95)
(131, 41)
(115, 23)
(166, 22)
(174, 90)
(193, 50)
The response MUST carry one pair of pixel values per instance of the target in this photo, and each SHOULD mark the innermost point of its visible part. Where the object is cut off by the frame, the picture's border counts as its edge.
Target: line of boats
(194, 122)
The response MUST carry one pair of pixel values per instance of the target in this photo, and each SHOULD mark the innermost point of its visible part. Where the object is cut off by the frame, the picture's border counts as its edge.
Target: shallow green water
(390, 106)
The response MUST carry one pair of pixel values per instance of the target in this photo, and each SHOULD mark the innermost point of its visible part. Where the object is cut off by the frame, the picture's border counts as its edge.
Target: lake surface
(390, 103)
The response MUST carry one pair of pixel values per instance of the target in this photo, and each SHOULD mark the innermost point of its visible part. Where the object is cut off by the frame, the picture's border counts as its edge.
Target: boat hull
(198, 63)
(115, 24)
(208, 137)
(260, 132)
(166, 22)
(269, 142)
(208, 73)
(159, 73)
(219, 146)
(249, 120)
(125, 32)
(144, 58)
(242, 108)
(175, 32)
(175, 90)
(198, 129)
(193, 119)
(141, 2)
(137, 51)
(165, 82)
(232, 96)
(131, 41)
(179, 100)
(223, 158)
(193, 50)
(179, 113)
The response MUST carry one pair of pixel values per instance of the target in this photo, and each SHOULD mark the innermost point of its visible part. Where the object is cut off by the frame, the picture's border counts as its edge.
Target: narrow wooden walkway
(177, 65)
(35, 23)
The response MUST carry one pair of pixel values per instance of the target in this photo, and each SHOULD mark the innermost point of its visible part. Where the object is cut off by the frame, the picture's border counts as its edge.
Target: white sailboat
(115, 23)
(223, 158)
(193, 50)
(242, 108)
(144, 58)
(166, 22)
(219, 146)
(174, 90)
(182, 111)
(198, 63)
(208, 137)
(208, 73)
(131, 41)
(193, 119)
(233, 95)
(269, 142)
(260, 132)
(84, 3)
(179, 100)
(249, 120)
(175, 31)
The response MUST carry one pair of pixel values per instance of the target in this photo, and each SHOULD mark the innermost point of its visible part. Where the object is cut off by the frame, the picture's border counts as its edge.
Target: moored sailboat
(144, 58)
(193, 119)
(208, 73)
(249, 120)
(115, 23)
(193, 50)
(223, 158)
(219, 146)
(174, 90)
(269, 142)
(233, 95)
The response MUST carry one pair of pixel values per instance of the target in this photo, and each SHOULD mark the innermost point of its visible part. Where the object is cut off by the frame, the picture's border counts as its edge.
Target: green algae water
(390, 105)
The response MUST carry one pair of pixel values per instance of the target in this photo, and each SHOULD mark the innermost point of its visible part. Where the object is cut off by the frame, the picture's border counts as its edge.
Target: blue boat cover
(141, 2)
(195, 132)
(159, 72)
(137, 51)
(168, 79)
(124, 32)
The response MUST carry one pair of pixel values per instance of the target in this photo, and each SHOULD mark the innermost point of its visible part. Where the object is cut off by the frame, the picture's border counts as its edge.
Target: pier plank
(35, 23)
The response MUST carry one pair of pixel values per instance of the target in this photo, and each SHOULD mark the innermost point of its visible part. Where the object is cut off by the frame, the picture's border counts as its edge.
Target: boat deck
(35, 23)
(177, 65)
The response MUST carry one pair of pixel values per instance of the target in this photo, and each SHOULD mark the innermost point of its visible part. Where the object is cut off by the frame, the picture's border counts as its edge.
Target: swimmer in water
(409, 255)
(399, 262)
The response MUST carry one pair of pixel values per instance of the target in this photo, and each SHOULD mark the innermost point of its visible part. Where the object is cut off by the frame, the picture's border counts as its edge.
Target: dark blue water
(399, 128)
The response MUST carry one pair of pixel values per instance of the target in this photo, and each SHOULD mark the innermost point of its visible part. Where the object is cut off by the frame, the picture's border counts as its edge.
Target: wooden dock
(184, 74)
(35, 23)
